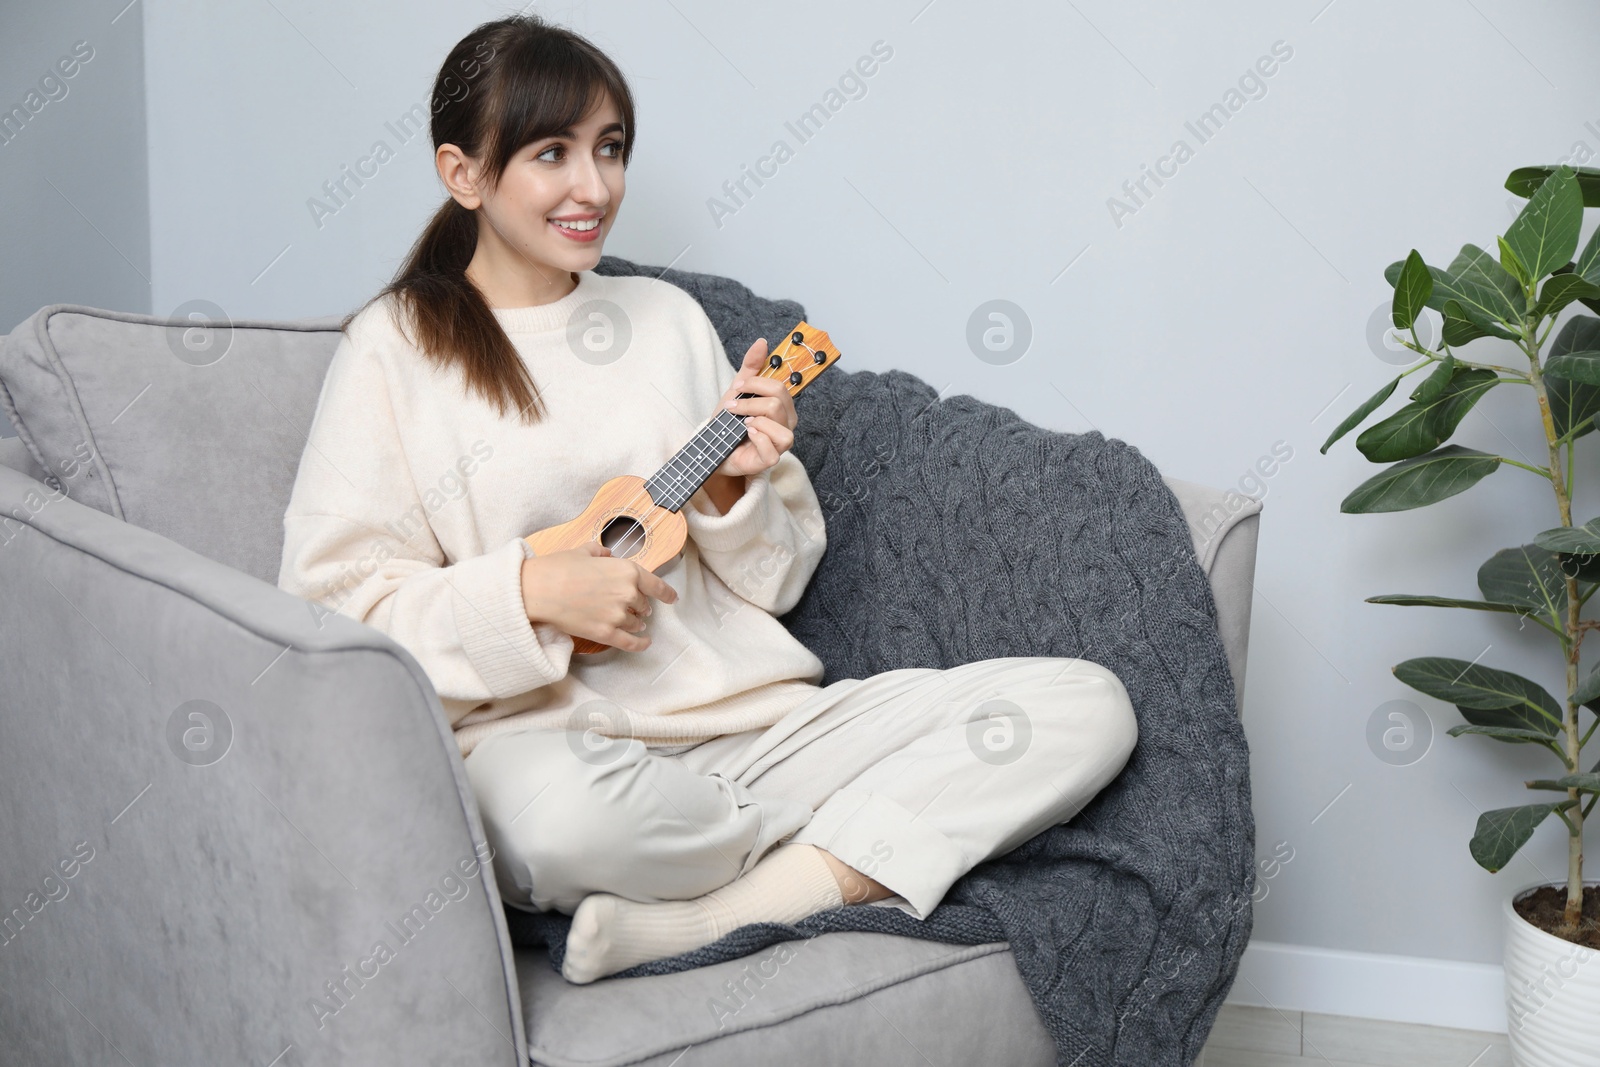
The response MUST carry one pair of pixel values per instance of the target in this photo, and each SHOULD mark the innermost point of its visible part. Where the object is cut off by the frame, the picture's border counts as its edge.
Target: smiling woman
(649, 835)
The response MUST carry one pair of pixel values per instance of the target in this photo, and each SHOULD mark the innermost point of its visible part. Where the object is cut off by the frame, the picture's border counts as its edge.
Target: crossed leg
(891, 786)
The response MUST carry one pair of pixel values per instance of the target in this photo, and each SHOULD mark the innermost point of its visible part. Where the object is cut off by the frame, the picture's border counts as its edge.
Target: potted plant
(1552, 950)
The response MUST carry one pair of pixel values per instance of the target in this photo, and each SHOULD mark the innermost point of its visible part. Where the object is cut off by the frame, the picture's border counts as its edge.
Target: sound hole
(623, 536)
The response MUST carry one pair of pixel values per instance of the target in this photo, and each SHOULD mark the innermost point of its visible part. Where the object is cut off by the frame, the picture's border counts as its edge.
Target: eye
(547, 151)
(613, 144)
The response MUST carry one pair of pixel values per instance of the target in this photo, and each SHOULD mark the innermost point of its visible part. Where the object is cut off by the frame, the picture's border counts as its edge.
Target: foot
(611, 933)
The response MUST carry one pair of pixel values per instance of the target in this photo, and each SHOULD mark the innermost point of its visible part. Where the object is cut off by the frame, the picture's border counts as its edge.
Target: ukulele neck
(694, 464)
(796, 361)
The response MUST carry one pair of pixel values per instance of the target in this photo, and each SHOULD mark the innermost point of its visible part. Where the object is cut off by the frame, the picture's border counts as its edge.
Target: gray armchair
(236, 830)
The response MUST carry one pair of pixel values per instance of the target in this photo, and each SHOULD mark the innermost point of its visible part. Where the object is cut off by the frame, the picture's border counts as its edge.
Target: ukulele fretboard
(798, 359)
(673, 485)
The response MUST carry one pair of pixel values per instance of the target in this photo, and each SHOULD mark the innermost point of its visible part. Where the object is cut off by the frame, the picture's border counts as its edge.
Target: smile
(582, 230)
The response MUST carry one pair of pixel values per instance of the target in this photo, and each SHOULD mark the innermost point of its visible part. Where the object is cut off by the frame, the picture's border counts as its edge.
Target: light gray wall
(73, 173)
(1227, 316)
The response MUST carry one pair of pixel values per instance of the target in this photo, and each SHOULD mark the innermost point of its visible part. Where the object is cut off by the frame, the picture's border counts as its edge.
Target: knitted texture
(957, 531)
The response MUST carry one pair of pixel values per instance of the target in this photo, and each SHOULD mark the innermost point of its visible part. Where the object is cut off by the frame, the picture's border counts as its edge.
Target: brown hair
(522, 79)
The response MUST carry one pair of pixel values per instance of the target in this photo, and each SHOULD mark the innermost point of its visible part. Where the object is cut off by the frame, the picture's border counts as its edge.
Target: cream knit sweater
(413, 496)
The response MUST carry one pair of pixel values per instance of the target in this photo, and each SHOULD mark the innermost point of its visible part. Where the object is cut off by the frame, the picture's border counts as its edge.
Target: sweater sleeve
(769, 544)
(357, 542)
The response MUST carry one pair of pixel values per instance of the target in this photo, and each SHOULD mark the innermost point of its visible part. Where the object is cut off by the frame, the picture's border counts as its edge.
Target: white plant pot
(1552, 995)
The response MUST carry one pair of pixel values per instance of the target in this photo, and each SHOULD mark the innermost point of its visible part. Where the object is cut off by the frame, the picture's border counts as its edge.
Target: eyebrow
(568, 134)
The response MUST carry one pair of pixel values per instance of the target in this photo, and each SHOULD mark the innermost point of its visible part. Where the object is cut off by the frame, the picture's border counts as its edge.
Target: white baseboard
(1371, 985)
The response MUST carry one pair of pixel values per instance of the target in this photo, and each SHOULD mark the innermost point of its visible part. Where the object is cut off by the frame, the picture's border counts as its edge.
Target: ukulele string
(625, 545)
(641, 531)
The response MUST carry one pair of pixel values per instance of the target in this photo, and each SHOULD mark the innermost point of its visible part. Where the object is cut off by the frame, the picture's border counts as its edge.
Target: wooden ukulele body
(624, 519)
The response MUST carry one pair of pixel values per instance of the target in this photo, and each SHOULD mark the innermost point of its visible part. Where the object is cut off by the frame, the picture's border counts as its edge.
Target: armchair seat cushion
(837, 998)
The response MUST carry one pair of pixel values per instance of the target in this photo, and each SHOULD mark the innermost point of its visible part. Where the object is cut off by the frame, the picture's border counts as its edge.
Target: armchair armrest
(235, 832)
(1225, 526)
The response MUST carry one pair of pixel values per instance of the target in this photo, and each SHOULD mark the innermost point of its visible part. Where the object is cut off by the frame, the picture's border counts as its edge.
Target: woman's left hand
(769, 416)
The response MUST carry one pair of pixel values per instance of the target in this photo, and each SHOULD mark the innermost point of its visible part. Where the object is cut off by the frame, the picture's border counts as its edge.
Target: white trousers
(912, 777)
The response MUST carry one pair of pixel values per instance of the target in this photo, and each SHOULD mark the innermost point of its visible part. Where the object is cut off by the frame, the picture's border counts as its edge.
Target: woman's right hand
(586, 592)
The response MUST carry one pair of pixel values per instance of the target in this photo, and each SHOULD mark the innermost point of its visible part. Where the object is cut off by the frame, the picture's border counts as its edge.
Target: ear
(459, 176)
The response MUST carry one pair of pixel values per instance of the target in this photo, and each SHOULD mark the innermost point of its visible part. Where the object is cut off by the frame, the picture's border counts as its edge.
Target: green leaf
(1581, 366)
(1579, 333)
(1420, 481)
(1420, 427)
(1584, 566)
(1588, 692)
(1587, 266)
(1528, 576)
(1423, 600)
(1525, 181)
(1511, 735)
(1516, 718)
(1436, 296)
(1474, 266)
(1434, 383)
(1571, 382)
(1458, 329)
(1502, 831)
(1411, 292)
(1572, 404)
(1544, 235)
(1478, 290)
(1354, 418)
(1583, 783)
(1583, 539)
(1426, 600)
(1562, 289)
(1512, 264)
(1487, 293)
(1471, 685)
(1573, 352)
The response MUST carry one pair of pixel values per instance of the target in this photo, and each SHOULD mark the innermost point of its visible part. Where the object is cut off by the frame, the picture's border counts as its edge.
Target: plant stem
(1558, 481)
(1537, 470)
(1515, 375)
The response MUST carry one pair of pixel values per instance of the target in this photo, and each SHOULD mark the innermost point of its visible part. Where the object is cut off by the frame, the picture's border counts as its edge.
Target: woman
(693, 777)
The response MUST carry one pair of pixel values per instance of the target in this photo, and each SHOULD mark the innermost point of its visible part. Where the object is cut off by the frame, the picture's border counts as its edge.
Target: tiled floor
(1266, 1037)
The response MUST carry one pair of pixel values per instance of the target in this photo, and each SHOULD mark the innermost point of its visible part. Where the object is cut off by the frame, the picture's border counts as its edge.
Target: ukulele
(638, 518)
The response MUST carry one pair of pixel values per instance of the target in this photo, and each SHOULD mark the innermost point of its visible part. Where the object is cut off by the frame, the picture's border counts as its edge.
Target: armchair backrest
(192, 432)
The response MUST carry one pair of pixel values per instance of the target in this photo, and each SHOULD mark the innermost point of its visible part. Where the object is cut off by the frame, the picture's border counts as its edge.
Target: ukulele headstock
(802, 355)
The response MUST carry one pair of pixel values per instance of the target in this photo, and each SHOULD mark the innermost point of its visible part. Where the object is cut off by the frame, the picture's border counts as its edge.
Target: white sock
(611, 933)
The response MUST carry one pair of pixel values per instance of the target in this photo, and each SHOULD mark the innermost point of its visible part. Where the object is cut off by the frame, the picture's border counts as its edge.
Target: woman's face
(557, 199)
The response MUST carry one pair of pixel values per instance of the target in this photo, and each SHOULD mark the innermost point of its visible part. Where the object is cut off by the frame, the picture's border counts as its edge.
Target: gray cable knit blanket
(957, 531)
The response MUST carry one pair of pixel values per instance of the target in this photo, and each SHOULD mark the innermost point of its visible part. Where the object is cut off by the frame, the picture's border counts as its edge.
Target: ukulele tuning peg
(794, 378)
(818, 357)
(774, 361)
(798, 338)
